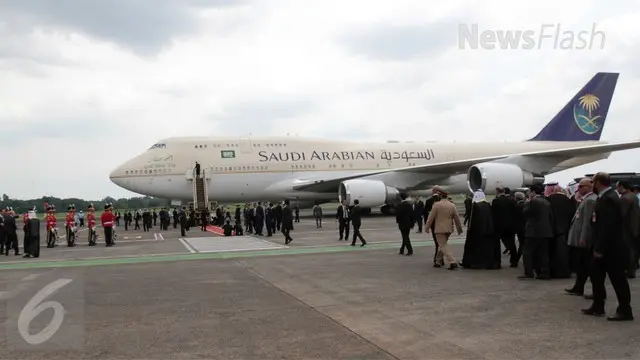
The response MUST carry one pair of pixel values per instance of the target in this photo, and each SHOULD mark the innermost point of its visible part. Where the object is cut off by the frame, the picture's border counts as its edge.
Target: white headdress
(479, 196)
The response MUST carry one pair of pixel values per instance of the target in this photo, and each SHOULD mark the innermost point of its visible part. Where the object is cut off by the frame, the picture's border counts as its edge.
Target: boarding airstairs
(200, 191)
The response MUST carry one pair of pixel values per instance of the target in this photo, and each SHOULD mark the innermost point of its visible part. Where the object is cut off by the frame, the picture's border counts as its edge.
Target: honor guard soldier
(55, 228)
(50, 221)
(107, 219)
(70, 222)
(91, 220)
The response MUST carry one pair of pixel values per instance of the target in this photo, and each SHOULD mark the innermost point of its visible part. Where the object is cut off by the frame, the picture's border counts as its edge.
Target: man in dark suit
(287, 222)
(277, 213)
(631, 224)
(538, 233)
(503, 209)
(11, 233)
(3, 231)
(610, 252)
(259, 219)
(418, 212)
(343, 217)
(519, 222)
(356, 221)
(405, 220)
(563, 210)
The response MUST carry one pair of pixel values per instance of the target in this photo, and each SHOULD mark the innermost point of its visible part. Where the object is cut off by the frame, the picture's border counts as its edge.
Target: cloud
(401, 43)
(263, 116)
(143, 25)
(104, 80)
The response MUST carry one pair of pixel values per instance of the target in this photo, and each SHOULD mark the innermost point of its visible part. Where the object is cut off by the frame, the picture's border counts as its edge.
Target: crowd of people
(31, 229)
(592, 230)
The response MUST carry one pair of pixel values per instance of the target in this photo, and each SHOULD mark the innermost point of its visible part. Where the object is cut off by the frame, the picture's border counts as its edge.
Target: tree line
(21, 206)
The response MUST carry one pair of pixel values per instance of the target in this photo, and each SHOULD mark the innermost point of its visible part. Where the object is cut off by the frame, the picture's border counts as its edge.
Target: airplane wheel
(366, 211)
(387, 210)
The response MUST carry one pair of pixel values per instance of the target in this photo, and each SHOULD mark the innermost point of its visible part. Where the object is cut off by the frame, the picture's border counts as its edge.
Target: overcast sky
(87, 84)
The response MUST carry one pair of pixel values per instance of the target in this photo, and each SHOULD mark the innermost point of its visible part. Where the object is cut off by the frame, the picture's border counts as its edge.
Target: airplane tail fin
(582, 118)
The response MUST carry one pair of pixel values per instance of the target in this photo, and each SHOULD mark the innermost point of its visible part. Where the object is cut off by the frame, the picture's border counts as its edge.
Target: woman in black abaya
(481, 247)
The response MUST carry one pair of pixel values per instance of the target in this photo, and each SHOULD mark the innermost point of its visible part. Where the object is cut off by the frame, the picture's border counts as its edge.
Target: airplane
(308, 171)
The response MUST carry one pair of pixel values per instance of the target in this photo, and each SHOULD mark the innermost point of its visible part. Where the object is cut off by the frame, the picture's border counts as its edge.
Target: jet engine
(370, 193)
(488, 176)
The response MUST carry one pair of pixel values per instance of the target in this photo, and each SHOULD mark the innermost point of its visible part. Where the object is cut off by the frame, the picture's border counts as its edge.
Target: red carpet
(215, 229)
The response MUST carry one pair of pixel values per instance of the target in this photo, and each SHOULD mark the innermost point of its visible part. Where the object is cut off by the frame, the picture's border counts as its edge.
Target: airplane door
(245, 146)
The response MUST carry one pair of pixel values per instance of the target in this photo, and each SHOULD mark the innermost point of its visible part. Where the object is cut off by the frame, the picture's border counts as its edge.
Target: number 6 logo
(35, 306)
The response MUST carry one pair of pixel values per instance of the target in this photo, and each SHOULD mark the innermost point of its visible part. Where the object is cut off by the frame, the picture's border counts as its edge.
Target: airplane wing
(461, 166)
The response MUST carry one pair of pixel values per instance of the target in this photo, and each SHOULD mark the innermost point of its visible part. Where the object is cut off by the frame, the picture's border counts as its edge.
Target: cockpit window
(158, 146)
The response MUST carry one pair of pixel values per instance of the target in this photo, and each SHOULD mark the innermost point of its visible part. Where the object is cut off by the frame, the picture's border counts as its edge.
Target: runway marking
(91, 259)
(229, 243)
(316, 231)
(30, 277)
(160, 236)
(153, 258)
(188, 246)
(270, 242)
(6, 295)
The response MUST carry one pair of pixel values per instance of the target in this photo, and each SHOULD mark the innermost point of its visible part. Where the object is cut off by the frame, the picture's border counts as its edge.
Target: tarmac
(155, 295)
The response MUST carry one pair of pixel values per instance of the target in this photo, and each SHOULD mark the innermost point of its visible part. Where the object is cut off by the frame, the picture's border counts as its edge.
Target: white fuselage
(242, 169)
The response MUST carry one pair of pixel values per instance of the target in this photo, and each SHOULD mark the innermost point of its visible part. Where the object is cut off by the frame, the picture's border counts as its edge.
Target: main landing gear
(388, 209)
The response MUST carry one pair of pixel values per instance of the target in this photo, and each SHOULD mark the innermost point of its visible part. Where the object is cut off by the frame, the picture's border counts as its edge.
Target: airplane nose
(116, 175)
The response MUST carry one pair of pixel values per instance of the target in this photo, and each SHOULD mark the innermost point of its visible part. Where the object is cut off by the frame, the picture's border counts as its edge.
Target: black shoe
(437, 265)
(505, 252)
(354, 244)
(543, 277)
(514, 265)
(363, 244)
(525, 277)
(401, 253)
(573, 292)
(592, 311)
(409, 254)
(619, 317)
(452, 267)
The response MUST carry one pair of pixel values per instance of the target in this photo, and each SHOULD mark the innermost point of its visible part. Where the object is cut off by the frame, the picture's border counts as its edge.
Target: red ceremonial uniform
(51, 221)
(107, 219)
(25, 218)
(91, 218)
(71, 221)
